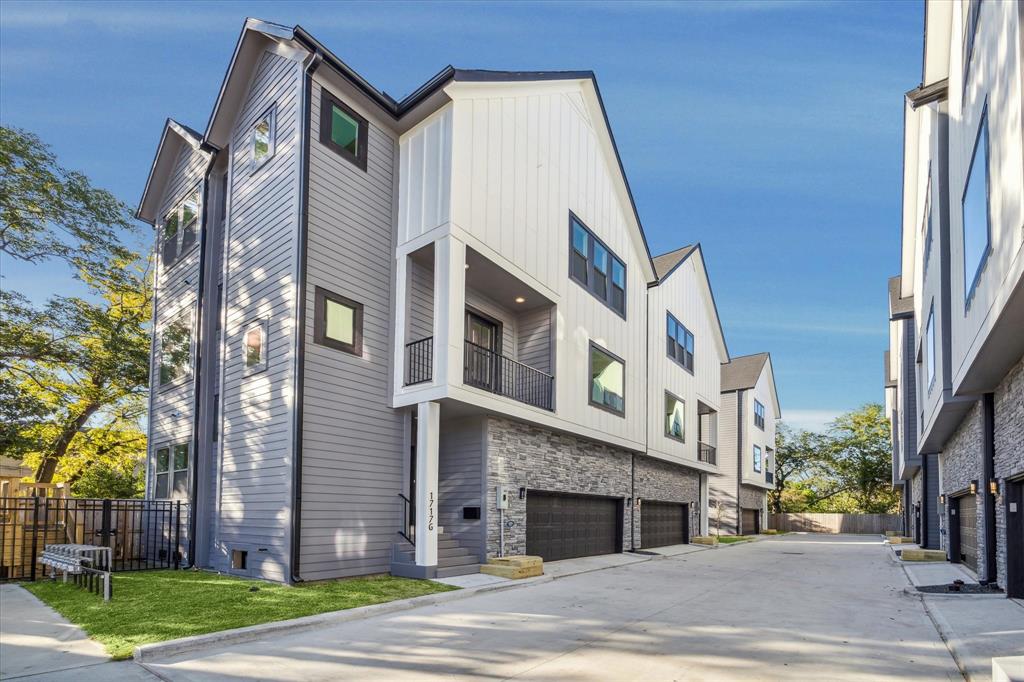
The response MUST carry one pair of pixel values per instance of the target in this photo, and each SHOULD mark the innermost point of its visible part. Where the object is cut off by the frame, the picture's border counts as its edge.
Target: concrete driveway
(795, 608)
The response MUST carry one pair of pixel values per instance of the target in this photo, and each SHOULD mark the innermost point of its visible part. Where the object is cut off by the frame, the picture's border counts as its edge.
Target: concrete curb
(149, 652)
(914, 592)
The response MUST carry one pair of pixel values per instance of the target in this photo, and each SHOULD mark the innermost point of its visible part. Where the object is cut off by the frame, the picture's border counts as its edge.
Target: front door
(483, 348)
(917, 524)
(1015, 539)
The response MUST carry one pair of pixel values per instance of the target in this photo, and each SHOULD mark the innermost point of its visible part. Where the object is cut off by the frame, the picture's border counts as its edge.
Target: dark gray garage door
(560, 526)
(751, 521)
(969, 531)
(663, 523)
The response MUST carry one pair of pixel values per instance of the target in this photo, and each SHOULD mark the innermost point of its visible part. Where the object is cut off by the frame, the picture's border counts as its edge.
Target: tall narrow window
(261, 140)
(175, 349)
(607, 380)
(171, 473)
(255, 342)
(675, 417)
(929, 340)
(976, 227)
(338, 322)
(680, 342)
(170, 238)
(179, 228)
(343, 130)
(758, 414)
(757, 458)
(595, 267)
(189, 220)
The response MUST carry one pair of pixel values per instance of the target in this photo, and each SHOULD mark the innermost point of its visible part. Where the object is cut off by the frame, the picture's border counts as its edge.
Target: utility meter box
(504, 495)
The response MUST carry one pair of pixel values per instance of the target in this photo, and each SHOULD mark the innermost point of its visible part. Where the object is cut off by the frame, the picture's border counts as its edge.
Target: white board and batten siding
(172, 407)
(257, 407)
(522, 158)
(685, 295)
(352, 440)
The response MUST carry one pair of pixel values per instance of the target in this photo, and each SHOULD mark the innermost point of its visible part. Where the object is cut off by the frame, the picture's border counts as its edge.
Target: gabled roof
(900, 307)
(174, 136)
(667, 263)
(743, 372)
(256, 34)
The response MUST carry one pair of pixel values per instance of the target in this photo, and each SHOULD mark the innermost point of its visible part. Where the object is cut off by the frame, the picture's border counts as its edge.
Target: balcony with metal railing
(769, 477)
(707, 453)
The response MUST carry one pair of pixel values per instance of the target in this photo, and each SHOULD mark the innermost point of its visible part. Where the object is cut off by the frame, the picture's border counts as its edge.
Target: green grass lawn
(154, 606)
(729, 539)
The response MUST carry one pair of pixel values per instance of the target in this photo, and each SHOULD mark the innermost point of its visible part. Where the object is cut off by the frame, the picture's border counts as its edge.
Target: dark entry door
(562, 526)
(968, 513)
(917, 524)
(1015, 539)
(482, 351)
(663, 523)
(751, 521)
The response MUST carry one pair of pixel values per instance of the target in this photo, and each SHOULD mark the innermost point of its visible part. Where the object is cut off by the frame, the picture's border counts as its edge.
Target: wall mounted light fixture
(974, 487)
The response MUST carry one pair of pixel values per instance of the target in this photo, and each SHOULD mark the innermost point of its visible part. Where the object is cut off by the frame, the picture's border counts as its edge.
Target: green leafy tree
(73, 372)
(798, 455)
(860, 458)
(48, 212)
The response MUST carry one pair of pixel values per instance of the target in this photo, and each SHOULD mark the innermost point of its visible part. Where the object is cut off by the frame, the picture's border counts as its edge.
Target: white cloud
(810, 420)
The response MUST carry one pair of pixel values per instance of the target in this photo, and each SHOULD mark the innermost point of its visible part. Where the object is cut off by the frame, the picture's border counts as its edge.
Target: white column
(449, 309)
(428, 423)
(401, 306)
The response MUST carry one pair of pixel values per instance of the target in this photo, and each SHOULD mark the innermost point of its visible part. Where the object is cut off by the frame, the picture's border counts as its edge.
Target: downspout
(300, 307)
(988, 454)
(197, 379)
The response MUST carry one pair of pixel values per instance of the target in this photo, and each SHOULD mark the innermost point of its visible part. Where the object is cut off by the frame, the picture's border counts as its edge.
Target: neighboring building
(962, 265)
(411, 335)
(746, 452)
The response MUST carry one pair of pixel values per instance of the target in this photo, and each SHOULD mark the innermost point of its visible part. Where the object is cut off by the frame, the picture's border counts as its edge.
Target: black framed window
(675, 417)
(343, 130)
(757, 458)
(759, 415)
(254, 342)
(262, 139)
(679, 342)
(595, 267)
(977, 230)
(179, 227)
(607, 380)
(338, 322)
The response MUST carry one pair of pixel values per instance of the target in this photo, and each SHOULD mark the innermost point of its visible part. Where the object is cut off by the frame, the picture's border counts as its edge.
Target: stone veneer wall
(1009, 451)
(661, 481)
(521, 455)
(916, 493)
(960, 461)
(752, 497)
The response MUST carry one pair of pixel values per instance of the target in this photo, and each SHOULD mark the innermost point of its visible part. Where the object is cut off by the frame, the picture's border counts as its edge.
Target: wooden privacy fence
(873, 524)
(142, 534)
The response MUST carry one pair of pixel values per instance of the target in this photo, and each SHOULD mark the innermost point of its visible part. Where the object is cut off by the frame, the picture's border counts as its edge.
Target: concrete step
(442, 553)
(450, 572)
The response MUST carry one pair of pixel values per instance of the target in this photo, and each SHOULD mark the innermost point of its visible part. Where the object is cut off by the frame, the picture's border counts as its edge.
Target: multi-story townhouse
(746, 453)
(917, 475)
(411, 335)
(962, 263)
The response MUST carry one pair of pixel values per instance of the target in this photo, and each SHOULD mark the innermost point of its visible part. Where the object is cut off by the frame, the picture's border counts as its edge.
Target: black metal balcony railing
(769, 477)
(498, 374)
(706, 453)
(419, 361)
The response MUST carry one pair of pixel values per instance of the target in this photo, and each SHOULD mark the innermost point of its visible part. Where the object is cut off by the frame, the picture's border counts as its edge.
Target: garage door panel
(562, 526)
(750, 519)
(969, 531)
(662, 524)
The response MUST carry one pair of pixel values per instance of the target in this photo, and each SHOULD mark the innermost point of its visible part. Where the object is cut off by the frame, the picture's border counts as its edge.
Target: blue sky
(768, 131)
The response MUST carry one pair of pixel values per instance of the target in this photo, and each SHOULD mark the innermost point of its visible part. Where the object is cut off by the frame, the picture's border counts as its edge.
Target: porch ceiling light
(520, 299)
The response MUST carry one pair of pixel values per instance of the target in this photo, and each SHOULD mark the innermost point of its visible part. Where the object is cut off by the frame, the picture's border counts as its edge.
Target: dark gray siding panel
(460, 482)
(535, 339)
(352, 440)
(931, 501)
(255, 471)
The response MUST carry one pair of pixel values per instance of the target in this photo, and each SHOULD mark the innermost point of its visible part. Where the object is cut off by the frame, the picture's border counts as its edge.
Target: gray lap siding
(352, 440)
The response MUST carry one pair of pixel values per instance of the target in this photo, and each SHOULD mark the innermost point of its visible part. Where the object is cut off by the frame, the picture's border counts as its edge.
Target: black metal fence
(142, 534)
(419, 361)
(707, 453)
(502, 375)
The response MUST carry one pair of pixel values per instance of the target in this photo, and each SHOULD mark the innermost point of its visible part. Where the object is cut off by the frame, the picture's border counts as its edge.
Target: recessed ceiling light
(520, 299)
(467, 266)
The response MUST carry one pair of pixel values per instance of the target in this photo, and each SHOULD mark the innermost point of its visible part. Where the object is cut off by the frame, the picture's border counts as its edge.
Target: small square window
(254, 343)
(338, 322)
(343, 130)
(262, 140)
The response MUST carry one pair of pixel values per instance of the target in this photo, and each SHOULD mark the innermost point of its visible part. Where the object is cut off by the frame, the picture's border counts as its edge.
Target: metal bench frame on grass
(88, 564)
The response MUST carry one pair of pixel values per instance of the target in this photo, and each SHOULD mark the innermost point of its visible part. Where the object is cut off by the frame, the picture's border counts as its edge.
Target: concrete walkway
(795, 608)
(36, 642)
